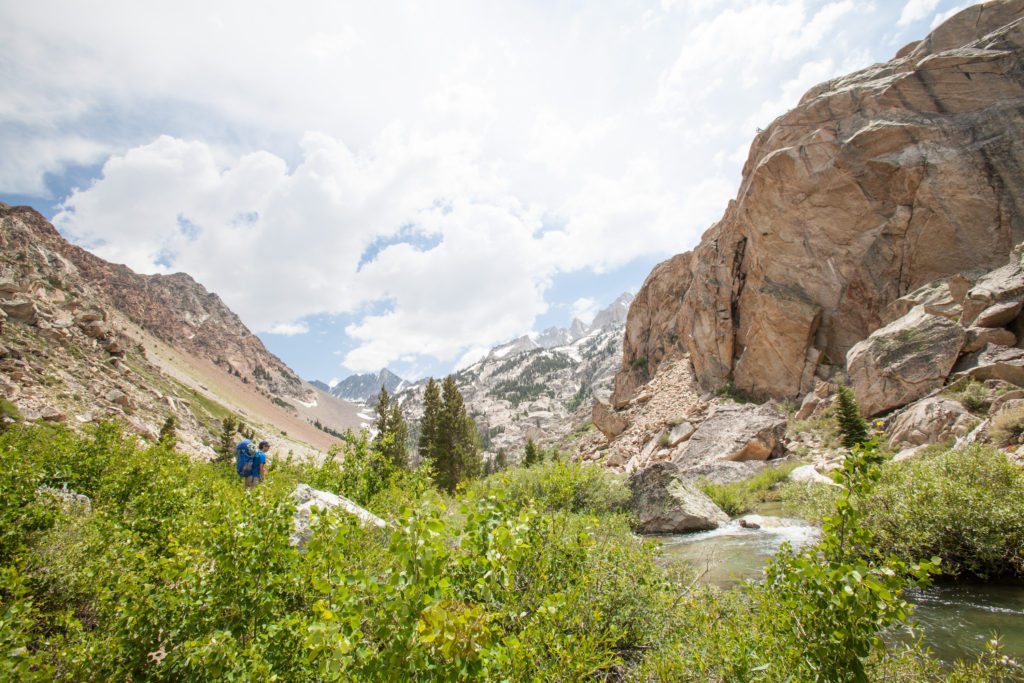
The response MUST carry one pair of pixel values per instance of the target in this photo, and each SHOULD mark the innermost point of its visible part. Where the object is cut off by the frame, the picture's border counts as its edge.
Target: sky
(408, 184)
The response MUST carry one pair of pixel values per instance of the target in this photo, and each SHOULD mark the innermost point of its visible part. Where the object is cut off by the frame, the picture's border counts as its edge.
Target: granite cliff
(874, 185)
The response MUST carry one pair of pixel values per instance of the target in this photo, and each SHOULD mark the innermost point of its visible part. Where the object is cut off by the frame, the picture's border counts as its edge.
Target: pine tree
(398, 453)
(533, 454)
(500, 462)
(449, 439)
(227, 439)
(852, 425)
(392, 431)
(429, 425)
(168, 434)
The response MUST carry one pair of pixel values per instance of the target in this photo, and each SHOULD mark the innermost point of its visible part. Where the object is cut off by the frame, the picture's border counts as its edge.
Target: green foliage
(971, 393)
(532, 454)
(9, 414)
(740, 497)
(561, 485)
(531, 382)
(392, 430)
(178, 573)
(449, 439)
(1007, 427)
(355, 468)
(852, 425)
(966, 507)
(168, 432)
(226, 446)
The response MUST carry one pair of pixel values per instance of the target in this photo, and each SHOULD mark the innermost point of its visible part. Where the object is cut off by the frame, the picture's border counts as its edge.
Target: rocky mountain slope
(875, 184)
(538, 386)
(365, 388)
(83, 340)
(868, 243)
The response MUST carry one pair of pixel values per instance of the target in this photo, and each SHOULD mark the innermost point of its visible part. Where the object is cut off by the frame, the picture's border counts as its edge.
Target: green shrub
(971, 393)
(560, 484)
(740, 497)
(966, 507)
(1007, 427)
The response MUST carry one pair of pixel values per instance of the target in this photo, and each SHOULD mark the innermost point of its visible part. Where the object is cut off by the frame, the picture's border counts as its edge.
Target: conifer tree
(448, 435)
(168, 434)
(227, 438)
(533, 454)
(392, 431)
(852, 425)
(500, 462)
(429, 425)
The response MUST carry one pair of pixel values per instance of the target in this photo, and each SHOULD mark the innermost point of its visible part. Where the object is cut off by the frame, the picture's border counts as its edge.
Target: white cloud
(468, 154)
(289, 329)
(584, 308)
(916, 10)
(941, 17)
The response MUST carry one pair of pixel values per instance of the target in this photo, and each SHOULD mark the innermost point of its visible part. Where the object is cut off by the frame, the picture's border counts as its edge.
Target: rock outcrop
(734, 432)
(308, 499)
(904, 360)
(666, 504)
(929, 421)
(875, 184)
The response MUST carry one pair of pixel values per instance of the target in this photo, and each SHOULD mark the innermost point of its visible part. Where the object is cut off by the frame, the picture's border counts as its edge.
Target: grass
(739, 498)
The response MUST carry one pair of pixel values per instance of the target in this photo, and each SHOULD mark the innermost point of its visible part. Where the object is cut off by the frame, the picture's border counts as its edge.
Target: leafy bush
(967, 507)
(560, 484)
(1007, 427)
(178, 573)
(740, 497)
(971, 393)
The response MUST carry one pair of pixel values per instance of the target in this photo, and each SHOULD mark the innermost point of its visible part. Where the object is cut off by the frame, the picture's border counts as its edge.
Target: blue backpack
(245, 459)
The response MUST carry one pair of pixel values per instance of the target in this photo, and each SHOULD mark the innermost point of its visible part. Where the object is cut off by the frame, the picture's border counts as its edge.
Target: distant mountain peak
(366, 387)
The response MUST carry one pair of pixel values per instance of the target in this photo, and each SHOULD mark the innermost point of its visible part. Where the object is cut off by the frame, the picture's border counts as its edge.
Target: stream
(956, 619)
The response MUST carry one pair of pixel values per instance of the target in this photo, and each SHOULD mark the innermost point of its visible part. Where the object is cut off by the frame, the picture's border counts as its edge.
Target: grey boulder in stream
(665, 503)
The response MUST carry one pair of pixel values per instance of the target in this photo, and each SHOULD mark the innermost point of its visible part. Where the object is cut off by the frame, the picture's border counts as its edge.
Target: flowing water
(956, 620)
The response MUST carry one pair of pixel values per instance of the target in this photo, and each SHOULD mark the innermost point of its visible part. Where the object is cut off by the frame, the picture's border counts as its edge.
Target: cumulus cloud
(428, 171)
(915, 10)
(584, 308)
(941, 17)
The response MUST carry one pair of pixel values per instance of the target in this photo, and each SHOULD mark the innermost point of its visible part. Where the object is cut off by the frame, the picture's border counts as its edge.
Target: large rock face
(734, 432)
(875, 184)
(904, 360)
(665, 503)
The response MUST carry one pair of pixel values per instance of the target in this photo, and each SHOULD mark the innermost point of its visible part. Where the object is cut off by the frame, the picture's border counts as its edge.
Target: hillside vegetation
(171, 571)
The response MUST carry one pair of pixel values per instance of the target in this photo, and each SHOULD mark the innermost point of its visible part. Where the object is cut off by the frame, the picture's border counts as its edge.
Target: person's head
(264, 446)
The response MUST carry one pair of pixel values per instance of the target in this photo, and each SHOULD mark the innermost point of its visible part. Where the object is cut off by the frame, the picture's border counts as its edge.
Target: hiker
(251, 461)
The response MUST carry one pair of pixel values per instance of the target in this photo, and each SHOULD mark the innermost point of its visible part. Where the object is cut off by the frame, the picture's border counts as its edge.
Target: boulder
(20, 310)
(66, 499)
(815, 402)
(807, 474)
(723, 471)
(979, 337)
(735, 432)
(1000, 400)
(993, 362)
(944, 297)
(929, 421)
(307, 499)
(680, 433)
(666, 504)
(903, 361)
(607, 420)
(996, 293)
(119, 397)
(999, 314)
